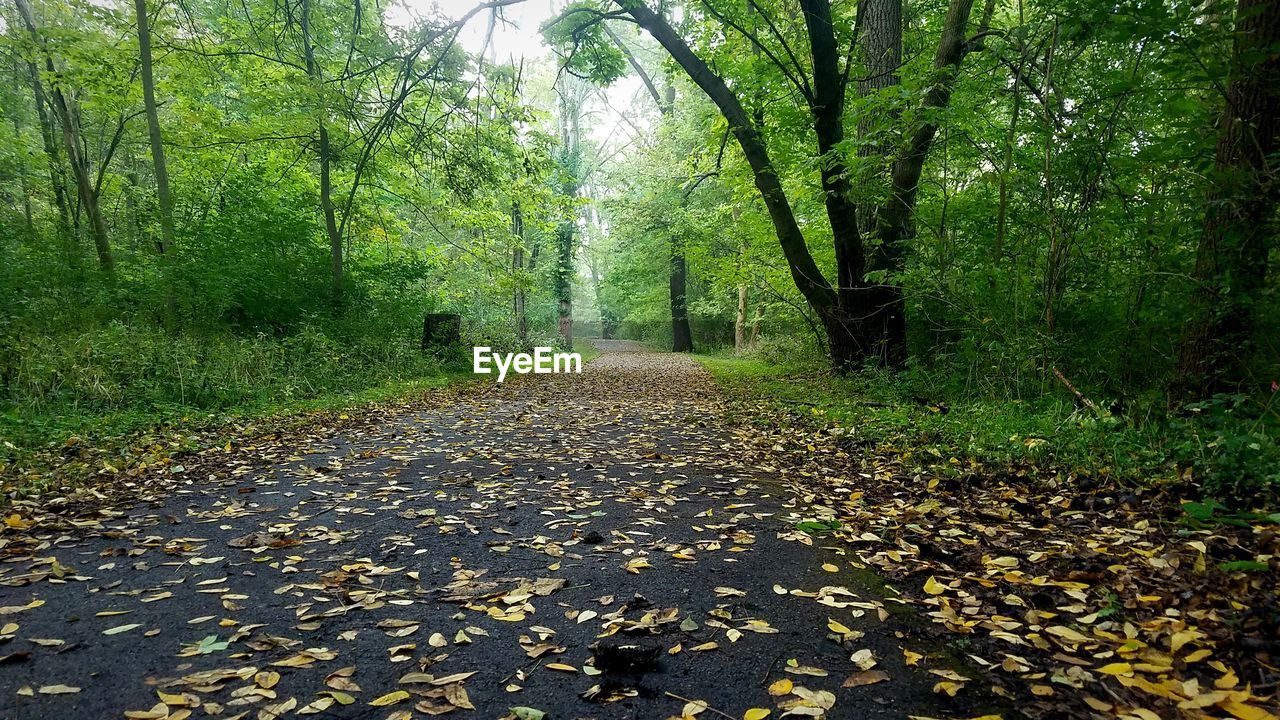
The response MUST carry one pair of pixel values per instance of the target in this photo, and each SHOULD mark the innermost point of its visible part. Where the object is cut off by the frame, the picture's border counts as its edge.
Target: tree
(681, 333)
(571, 94)
(517, 269)
(862, 311)
(323, 151)
(153, 128)
(64, 107)
(1238, 229)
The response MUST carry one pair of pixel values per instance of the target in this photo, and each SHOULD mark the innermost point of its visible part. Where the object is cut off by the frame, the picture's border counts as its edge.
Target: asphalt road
(587, 546)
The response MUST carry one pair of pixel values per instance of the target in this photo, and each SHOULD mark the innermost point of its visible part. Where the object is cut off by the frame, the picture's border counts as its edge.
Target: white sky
(516, 36)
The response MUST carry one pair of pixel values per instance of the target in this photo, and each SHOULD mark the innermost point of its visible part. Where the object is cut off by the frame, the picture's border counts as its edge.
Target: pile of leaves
(1079, 598)
(88, 472)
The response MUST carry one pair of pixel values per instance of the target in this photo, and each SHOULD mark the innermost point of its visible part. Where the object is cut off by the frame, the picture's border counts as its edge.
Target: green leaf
(1244, 566)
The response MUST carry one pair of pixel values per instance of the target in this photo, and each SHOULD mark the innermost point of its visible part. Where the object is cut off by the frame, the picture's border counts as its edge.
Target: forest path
(479, 549)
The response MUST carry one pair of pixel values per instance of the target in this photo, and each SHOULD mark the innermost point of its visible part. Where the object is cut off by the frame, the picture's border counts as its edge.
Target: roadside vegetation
(1227, 448)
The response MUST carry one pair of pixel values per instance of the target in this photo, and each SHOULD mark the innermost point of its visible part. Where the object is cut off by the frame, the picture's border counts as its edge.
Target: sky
(517, 35)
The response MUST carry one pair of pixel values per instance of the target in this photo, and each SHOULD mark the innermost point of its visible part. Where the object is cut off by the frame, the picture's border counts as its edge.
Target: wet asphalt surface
(616, 492)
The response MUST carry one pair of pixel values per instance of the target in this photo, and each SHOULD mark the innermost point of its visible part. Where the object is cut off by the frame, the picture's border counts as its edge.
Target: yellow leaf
(755, 714)
(1197, 655)
(341, 697)
(16, 522)
(562, 667)
(390, 698)
(836, 627)
(1181, 638)
(11, 609)
(1066, 633)
(830, 568)
(1247, 712)
(781, 687)
(948, 687)
(1120, 668)
(933, 587)
(911, 658)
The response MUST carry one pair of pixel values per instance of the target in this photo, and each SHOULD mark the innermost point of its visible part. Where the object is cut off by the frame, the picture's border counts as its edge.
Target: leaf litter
(598, 539)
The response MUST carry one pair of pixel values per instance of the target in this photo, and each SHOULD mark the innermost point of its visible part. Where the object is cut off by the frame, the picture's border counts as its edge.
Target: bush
(54, 381)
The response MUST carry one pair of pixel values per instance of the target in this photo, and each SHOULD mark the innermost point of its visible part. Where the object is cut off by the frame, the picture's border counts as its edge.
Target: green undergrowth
(128, 396)
(1226, 449)
(112, 395)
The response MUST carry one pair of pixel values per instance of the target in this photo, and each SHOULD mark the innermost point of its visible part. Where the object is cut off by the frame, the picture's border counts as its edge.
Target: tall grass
(59, 383)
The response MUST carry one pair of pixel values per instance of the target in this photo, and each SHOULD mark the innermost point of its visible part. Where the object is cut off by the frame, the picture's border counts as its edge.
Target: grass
(1223, 455)
(124, 394)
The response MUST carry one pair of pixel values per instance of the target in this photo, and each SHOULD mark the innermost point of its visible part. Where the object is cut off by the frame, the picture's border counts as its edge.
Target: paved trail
(470, 555)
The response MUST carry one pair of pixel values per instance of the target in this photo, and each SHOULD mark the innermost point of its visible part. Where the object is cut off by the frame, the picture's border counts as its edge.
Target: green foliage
(1055, 230)
(1234, 444)
(579, 36)
(59, 383)
(881, 411)
(430, 149)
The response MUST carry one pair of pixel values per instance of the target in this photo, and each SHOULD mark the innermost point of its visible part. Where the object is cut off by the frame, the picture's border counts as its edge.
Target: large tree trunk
(681, 335)
(827, 109)
(808, 278)
(153, 127)
(325, 156)
(894, 219)
(880, 43)
(68, 118)
(1238, 229)
(862, 319)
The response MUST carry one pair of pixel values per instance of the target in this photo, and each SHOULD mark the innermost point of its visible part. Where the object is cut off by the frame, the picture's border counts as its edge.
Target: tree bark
(68, 118)
(153, 128)
(755, 327)
(740, 322)
(23, 186)
(681, 335)
(805, 273)
(1238, 228)
(827, 109)
(517, 270)
(563, 282)
(880, 42)
(894, 225)
(324, 154)
(49, 136)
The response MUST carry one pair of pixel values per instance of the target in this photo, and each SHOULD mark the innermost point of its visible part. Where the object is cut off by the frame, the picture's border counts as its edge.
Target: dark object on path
(639, 602)
(441, 330)
(593, 538)
(628, 659)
